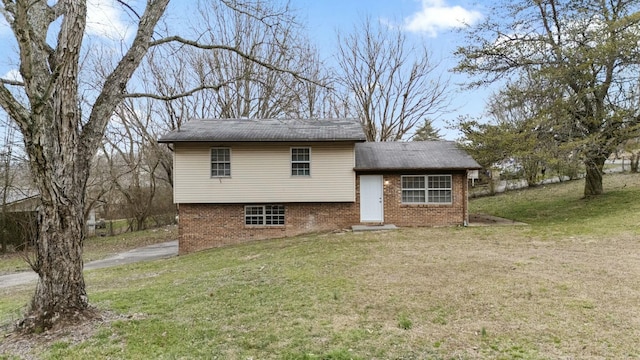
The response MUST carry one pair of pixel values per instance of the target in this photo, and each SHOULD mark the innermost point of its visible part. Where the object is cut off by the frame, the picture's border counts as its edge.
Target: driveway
(151, 252)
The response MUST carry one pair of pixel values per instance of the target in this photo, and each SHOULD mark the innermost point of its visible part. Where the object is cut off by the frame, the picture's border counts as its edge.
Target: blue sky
(433, 22)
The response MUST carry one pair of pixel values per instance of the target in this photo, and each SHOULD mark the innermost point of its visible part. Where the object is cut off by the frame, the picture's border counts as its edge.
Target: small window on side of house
(220, 162)
(301, 161)
(264, 215)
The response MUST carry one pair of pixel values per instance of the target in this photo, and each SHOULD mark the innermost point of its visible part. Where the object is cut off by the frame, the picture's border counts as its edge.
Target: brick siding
(204, 226)
(397, 213)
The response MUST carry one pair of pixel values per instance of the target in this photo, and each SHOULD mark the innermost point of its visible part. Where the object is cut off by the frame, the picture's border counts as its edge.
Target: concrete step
(373, 227)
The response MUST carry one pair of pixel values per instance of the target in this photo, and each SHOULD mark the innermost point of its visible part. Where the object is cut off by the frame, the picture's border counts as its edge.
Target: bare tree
(60, 140)
(314, 100)
(237, 85)
(394, 86)
(15, 185)
(247, 89)
(6, 161)
(132, 161)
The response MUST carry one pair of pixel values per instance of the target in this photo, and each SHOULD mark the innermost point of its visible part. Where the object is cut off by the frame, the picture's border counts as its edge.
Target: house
(24, 204)
(238, 180)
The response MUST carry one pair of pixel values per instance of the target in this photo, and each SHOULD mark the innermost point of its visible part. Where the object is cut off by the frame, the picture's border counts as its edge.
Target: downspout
(466, 198)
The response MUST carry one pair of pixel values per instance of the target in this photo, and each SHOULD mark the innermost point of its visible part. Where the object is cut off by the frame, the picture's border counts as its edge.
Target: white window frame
(439, 190)
(428, 192)
(295, 172)
(263, 215)
(211, 162)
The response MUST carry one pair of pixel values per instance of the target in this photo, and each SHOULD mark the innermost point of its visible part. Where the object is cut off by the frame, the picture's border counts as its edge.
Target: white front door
(371, 199)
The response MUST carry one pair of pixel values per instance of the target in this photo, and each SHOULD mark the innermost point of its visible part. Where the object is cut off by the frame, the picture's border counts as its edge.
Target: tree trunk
(60, 144)
(3, 229)
(60, 292)
(593, 178)
(635, 160)
(60, 168)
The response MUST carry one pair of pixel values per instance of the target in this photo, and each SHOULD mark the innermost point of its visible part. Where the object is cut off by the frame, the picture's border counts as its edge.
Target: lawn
(566, 286)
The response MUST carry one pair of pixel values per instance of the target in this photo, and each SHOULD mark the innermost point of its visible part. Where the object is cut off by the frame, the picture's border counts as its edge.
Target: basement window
(264, 215)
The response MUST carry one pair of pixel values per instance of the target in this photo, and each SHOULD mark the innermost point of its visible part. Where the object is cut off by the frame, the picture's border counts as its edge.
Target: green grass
(563, 207)
(559, 288)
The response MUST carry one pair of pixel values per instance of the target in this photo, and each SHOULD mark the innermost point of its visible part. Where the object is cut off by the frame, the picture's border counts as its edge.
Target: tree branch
(16, 111)
(11, 82)
(116, 82)
(129, 7)
(235, 50)
(253, 14)
(173, 97)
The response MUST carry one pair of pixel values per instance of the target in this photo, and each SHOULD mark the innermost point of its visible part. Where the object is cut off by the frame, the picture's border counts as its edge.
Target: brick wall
(397, 213)
(204, 226)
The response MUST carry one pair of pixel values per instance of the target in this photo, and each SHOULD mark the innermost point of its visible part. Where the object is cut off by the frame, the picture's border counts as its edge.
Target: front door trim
(371, 199)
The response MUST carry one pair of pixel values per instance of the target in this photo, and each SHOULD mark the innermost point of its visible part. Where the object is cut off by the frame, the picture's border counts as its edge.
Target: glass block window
(301, 161)
(220, 162)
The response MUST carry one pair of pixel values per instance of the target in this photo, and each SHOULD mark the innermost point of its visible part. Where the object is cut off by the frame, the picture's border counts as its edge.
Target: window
(300, 161)
(426, 189)
(220, 162)
(413, 189)
(439, 188)
(264, 215)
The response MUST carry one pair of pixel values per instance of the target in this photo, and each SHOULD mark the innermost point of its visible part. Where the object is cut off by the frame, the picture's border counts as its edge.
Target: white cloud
(104, 19)
(437, 16)
(13, 75)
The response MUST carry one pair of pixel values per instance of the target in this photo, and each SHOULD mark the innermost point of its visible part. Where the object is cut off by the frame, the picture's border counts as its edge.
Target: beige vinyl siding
(261, 173)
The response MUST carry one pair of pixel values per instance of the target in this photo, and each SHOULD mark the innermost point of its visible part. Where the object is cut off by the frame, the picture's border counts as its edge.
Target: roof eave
(167, 141)
(448, 168)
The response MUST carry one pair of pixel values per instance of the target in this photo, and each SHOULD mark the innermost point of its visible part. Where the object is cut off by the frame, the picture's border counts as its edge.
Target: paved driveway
(151, 252)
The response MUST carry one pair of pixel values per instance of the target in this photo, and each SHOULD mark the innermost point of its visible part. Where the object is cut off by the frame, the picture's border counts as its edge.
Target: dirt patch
(489, 220)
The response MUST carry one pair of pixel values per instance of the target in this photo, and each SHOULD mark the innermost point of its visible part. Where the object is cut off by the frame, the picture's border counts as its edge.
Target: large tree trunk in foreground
(60, 292)
(60, 142)
(593, 177)
(59, 162)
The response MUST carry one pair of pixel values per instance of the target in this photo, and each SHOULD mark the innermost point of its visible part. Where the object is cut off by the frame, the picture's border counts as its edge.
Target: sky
(436, 23)
(432, 22)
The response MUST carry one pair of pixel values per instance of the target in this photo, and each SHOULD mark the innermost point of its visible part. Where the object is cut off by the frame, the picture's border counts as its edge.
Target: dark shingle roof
(237, 130)
(414, 155)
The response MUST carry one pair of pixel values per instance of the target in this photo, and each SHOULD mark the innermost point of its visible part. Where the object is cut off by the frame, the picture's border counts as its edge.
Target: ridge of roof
(250, 130)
